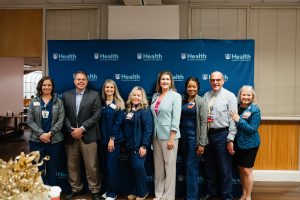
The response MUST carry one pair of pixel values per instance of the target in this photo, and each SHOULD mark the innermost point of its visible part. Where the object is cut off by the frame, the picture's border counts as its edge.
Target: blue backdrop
(137, 62)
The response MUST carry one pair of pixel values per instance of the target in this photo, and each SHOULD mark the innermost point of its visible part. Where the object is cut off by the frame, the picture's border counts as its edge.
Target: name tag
(113, 106)
(36, 103)
(246, 115)
(129, 115)
(191, 105)
(210, 118)
(45, 114)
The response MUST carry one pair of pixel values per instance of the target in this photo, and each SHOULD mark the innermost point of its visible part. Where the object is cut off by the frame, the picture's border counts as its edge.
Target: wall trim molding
(276, 175)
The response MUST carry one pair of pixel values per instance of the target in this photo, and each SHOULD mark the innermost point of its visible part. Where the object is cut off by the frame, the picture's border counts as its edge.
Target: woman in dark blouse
(247, 139)
(193, 128)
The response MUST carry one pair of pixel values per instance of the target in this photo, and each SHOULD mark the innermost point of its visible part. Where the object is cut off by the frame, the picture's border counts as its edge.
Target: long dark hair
(196, 80)
(39, 91)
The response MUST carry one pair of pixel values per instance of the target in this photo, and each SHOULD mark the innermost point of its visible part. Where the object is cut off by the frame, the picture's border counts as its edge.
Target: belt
(217, 130)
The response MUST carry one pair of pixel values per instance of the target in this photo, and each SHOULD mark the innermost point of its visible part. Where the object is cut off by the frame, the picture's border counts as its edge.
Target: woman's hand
(200, 150)
(142, 151)
(235, 116)
(45, 137)
(111, 145)
(170, 143)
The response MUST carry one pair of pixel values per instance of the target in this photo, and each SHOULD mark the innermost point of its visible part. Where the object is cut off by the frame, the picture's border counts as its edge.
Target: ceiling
(56, 2)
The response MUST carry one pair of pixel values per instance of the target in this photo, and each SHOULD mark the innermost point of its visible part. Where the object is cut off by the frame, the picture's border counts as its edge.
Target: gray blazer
(88, 115)
(201, 116)
(34, 120)
(168, 116)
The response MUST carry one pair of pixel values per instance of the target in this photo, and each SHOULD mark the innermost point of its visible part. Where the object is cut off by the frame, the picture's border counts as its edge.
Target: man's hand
(230, 147)
(77, 133)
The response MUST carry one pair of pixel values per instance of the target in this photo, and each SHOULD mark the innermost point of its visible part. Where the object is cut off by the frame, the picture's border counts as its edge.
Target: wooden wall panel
(21, 32)
(279, 149)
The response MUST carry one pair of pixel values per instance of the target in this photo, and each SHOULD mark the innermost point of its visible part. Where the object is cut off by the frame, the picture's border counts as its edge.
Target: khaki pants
(165, 169)
(90, 158)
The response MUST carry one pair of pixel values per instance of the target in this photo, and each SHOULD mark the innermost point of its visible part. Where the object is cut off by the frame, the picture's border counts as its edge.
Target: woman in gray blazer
(166, 110)
(45, 119)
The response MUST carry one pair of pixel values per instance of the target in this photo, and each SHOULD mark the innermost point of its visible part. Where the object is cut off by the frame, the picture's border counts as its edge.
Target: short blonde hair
(117, 97)
(158, 87)
(143, 104)
(254, 100)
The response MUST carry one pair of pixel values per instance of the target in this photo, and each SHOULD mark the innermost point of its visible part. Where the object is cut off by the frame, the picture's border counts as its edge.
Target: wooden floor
(13, 145)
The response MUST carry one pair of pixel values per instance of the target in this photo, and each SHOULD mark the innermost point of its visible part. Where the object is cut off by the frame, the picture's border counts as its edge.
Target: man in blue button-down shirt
(82, 106)
(221, 134)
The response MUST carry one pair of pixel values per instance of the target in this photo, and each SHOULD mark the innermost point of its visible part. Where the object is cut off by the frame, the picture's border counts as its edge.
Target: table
(6, 128)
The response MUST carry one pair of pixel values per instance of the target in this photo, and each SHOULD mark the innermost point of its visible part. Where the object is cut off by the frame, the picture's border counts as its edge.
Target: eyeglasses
(215, 80)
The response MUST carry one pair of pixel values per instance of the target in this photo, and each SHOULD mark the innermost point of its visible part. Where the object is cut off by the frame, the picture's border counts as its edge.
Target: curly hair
(40, 85)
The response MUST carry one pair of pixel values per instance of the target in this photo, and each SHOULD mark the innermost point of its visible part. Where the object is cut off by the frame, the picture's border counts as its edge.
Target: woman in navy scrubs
(112, 115)
(45, 119)
(193, 128)
(138, 128)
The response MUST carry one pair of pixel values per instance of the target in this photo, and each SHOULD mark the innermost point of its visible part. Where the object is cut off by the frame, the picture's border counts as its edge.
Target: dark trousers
(110, 163)
(218, 165)
(140, 188)
(192, 163)
(50, 167)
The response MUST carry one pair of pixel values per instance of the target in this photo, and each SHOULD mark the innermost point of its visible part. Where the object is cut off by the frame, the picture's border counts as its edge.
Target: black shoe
(96, 196)
(72, 195)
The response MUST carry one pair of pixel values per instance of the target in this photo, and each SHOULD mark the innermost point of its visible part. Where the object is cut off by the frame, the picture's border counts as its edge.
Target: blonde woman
(112, 115)
(138, 128)
(247, 139)
(166, 110)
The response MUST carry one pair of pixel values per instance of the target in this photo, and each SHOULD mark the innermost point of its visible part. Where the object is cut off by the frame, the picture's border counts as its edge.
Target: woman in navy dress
(193, 128)
(138, 128)
(112, 115)
(247, 139)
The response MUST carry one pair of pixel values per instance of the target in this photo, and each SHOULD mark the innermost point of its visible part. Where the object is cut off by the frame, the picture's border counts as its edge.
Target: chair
(23, 124)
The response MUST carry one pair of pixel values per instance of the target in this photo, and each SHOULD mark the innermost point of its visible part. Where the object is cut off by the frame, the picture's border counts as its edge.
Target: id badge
(113, 106)
(36, 103)
(191, 105)
(45, 114)
(210, 118)
(129, 115)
